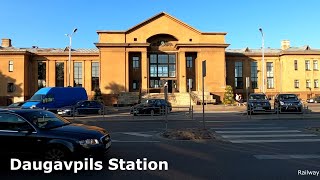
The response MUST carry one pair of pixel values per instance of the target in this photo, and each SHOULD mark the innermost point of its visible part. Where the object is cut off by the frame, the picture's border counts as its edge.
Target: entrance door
(169, 86)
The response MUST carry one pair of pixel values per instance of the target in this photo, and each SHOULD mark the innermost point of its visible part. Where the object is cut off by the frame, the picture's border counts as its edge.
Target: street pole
(263, 64)
(69, 59)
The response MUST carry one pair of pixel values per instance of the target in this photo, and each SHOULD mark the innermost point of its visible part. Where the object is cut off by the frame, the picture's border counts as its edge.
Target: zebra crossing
(271, 134)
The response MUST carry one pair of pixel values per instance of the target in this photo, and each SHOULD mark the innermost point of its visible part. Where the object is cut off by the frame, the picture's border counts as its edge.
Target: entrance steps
(176, 99)
(197, 97)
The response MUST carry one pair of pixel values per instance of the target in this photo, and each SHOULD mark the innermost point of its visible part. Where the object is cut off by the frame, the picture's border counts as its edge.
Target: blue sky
(44, 23)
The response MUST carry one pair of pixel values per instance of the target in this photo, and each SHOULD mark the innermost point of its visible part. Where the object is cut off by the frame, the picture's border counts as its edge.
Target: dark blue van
(52, 98)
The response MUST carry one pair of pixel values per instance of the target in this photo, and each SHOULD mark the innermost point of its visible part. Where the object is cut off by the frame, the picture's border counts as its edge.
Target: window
(10, 66)
(135, 62)
(308, 83)
(295, 64)
(41, 75)
(94, 75)
(12, 122)
(10, 87)
(189, 61)
(238, 75)
(77, 71)
(59, 74)
(270, 75)
(316, 83)
(315, 64)
(296, 83)
(307, 65)
(161, 65)
(254, 75)
(135, 85)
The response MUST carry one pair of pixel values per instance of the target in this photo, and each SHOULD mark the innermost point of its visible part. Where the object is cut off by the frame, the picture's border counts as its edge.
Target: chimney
(6, 43)
(285, 44)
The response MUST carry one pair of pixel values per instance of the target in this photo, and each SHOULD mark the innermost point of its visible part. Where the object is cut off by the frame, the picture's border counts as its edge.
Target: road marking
(275, 131)
(119, 141)
(137, 134)
(268, 135)
(288, 156)
(244, 128)
(274, 140)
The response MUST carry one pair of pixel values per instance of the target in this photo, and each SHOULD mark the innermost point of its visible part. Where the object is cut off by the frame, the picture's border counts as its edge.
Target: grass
(188, 134)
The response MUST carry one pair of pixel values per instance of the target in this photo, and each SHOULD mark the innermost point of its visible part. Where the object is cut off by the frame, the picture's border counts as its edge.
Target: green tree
(97, 95)
(228, 95)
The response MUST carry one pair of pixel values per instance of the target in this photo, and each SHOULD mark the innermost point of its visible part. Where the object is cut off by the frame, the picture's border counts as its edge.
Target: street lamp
(69, 60)
(263, 64)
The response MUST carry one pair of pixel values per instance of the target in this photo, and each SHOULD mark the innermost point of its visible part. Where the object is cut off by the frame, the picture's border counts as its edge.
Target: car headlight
(89, 142)
(281, 103)
(33, 107)
(300, 104)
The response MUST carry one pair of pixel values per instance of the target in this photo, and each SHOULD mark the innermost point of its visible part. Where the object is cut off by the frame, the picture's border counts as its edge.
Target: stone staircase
(197, 97)
(176, 99)
(128, 98)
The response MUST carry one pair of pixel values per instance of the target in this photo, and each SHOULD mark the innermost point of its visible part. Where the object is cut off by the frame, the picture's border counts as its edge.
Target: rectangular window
(254, 75)
(295, 64)
(153, 70)
(10, 87)
(41, 74)
(238, 75)
(270, 75)
(77, 71)
(10, 66)
(95, 76)
(296, 83)
(135, 62)
(162, 65)
(315, 64)
(307, 65)
(59, 74)
(189, 61)
(135, 84)
(308, 83)
(316, 83)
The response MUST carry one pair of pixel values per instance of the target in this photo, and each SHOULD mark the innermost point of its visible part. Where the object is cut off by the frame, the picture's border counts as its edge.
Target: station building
(161, 51)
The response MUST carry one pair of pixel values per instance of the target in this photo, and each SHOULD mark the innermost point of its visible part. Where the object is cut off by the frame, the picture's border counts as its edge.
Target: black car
(151, 106)
(16, 104)
(258, 102)
(287, 103)
(40, 132)
(82, 107)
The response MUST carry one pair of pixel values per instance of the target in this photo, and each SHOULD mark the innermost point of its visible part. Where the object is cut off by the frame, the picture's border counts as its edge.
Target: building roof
(48, 50)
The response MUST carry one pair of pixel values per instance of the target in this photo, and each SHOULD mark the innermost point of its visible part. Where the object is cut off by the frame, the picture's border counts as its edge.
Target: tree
(228, 95)
(97, 95)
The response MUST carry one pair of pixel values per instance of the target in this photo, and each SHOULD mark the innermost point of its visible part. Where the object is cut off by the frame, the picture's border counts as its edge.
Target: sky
(44, 23)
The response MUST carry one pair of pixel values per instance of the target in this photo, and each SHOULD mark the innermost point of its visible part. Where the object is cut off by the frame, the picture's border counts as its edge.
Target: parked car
(258, 102)
(16, 104)
(40, 132)
(82, 107)
(151, 106)
(288, 102)
(52, 98)
(315, 99)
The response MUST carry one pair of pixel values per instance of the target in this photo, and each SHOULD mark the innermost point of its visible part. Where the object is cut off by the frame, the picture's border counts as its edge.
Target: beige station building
(161, 51)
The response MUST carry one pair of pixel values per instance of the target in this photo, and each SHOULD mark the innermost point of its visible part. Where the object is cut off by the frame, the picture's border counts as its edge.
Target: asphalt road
(256, 148)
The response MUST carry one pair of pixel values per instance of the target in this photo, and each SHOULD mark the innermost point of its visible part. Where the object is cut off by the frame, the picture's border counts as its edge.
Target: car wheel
(56, 153)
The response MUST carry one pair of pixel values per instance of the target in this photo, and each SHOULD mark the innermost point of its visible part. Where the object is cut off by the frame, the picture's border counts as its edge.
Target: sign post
(247, 92)
(204, 73)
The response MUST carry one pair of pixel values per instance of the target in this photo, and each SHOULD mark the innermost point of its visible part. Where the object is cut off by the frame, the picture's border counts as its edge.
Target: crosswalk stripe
(268, 135)
(274, 140)
(288, 156)
(272, 131)
(247, 128)
(137, 134)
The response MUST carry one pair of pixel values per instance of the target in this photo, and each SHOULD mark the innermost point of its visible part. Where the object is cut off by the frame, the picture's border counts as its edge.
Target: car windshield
(45, 119)
(257, 97)
(288, 97)
(37, 97)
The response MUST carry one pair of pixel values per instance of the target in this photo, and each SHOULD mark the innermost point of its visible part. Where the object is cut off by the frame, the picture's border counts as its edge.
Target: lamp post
(263, 64)
(69, 60)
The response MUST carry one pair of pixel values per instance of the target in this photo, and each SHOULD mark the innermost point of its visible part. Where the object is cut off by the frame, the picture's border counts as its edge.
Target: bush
(97, 95)
(228, 96)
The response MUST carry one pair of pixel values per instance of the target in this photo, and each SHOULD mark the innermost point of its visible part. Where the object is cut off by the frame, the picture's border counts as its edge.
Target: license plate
(108, 144)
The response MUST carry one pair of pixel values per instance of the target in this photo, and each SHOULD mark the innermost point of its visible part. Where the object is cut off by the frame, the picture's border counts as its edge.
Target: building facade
(161, 51)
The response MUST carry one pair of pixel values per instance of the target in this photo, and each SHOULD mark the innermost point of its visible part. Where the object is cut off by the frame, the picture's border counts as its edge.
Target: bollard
(192, 112)
(166, 111)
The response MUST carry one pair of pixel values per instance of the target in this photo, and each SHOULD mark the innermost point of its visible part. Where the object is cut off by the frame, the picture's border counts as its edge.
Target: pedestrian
(240, 100)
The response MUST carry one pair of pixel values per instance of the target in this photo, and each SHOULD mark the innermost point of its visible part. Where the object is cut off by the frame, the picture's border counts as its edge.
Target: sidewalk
(219, 108)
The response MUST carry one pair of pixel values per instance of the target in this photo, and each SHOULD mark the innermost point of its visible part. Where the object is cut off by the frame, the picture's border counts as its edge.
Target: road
(256, 148)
